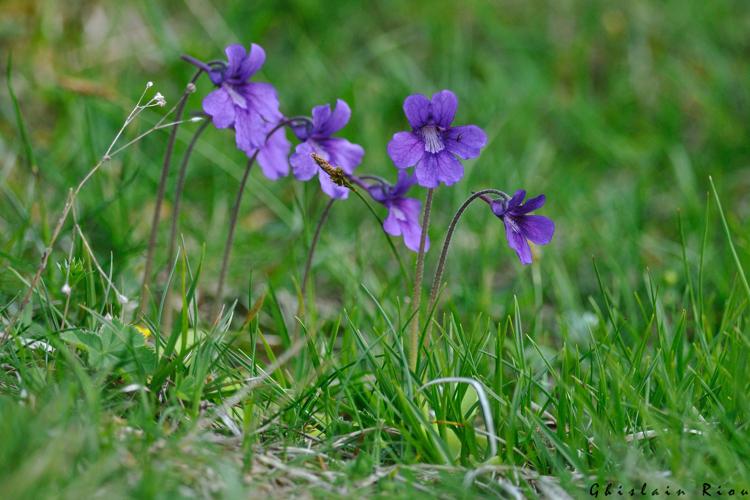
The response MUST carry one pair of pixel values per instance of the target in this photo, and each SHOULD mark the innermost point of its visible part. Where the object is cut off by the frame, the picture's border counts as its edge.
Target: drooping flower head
(433, 146)
(520, 227)
(403, 213)
(252, 108)
(317, 138)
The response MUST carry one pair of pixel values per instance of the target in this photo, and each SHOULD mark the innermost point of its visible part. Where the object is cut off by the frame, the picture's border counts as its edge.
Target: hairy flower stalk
(189, 89)
(520, 228)
(340, 178)
(435, 148)
(313, 244)
(179, 188)
(232, 227)
(238, 201)
(418, 275)
(444, 252)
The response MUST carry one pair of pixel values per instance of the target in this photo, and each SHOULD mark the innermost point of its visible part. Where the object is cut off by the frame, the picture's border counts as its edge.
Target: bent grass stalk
(189, 89)
(446, 244)
(71, 198)
(418, 275)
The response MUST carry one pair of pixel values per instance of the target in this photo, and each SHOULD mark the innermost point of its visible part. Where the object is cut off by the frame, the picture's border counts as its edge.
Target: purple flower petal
(320, 115)
(343, 153)
(411, 208)
(417, 109)
(530, 205)
(331, 188)
(219, 106)
(253, 61)
(444, 105)
(412, 235)
(273, 155)
(405, 149)
(517, 241)
(403, 219)
(536, 228)
(327, 122)
(263, 99)
(498, 207)
(449, 168)
(235, 57)
(391, 223)
(303, 166)
(516, 200)
(427, 171)
(250, 131)
(465, 141)
(403, 184)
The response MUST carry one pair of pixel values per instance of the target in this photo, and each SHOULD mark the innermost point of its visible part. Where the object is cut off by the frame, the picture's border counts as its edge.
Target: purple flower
(316, 138)
(403, 213)
(252, 108)
(433, 146)
(520, 226)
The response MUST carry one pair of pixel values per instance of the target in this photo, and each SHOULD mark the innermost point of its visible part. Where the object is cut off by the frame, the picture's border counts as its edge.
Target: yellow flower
(143, 331)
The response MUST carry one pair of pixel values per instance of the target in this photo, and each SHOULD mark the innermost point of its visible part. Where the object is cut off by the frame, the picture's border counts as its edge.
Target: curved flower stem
(189, 89)
(313, 244)
(236, 208)
(291, 121)
(353, 182)
(232, 227)
(180, 187)
(448, 236)
(418, 274)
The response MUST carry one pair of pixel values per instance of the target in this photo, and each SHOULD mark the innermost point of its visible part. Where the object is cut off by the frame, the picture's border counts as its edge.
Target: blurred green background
(618, 111)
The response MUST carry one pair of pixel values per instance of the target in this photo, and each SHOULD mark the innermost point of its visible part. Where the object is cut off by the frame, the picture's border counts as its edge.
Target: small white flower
(149, 84)
(122, 299)
(196, 119)
(160, 100)
(190, 88)
(66, 289)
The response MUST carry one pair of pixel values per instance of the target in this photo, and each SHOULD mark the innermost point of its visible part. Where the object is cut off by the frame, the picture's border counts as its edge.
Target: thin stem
(358, 181)
(418, 274)
(195, 62)
(448, 236)
(232, 227)
(67, 282)
(375, 178)
(189, 89)
(69, 202)
(180, 187)
(153, 129)
(238, 201)
(314, 243)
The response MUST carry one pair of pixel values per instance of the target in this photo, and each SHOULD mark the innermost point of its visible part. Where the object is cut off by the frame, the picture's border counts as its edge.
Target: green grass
(620, 355)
